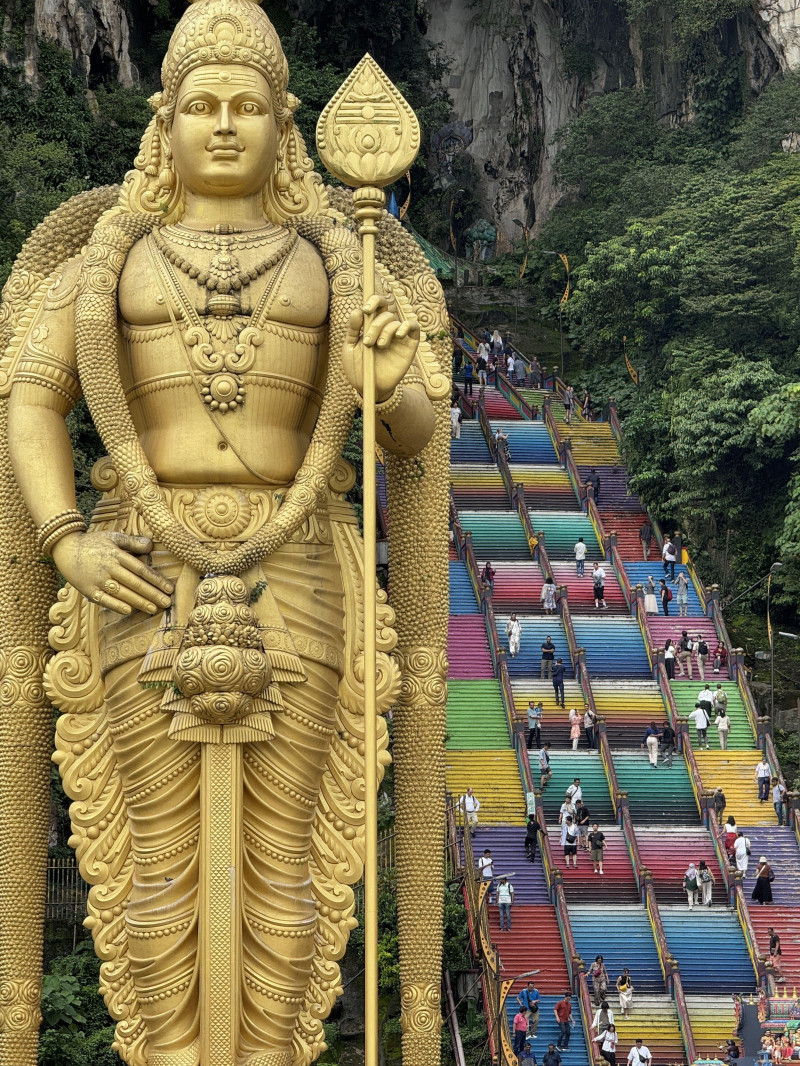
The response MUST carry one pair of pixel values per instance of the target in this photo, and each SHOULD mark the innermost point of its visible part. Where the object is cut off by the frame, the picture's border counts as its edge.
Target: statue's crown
(225, 31)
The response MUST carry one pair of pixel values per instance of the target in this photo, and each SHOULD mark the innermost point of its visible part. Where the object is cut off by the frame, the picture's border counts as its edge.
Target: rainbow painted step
(638, 574)
(628, 708)
(710, 947)
(535, 631)
(494, 776)
(740, 734)
(462, 594)
(562, 532)
(546, 487)
(476, 717)
(623, 936)
(528, 442)
(468, 647)
(661, 795)
(496, 535)
(614, 646)
(472, 447)
(478, 487)
(667, 855)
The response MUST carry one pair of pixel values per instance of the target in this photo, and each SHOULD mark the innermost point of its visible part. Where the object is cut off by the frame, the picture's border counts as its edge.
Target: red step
(533, 943)
(786, 922)
(627, 525)
(497, 406)
(518, 587)
(668, 852)
(582, 885)
(580, 590)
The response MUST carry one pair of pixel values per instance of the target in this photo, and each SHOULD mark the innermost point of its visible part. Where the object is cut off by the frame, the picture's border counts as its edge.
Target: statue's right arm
(46, 388)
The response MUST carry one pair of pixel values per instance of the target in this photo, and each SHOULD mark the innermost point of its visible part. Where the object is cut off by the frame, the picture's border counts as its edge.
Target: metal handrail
(694, 770)
(659, 936)
(515, 398)
(552, 426)
(536, 548)
(452, 1021)
(629, 835)
(684, 1020)
(572, 644)
(622, 576)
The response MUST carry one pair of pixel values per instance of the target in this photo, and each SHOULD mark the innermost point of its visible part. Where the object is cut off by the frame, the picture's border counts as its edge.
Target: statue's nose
(225, 123)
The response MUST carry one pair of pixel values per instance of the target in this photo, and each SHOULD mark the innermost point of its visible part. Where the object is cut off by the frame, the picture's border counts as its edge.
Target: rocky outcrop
(521, 69)
(95, 32)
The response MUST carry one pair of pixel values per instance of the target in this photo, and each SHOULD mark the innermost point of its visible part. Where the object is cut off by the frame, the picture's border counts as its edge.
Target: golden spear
(368, 137)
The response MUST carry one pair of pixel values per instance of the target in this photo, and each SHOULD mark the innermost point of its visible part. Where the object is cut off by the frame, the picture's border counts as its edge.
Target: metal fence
(66, 891)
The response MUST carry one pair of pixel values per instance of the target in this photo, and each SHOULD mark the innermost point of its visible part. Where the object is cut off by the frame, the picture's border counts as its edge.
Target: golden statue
(209, 660)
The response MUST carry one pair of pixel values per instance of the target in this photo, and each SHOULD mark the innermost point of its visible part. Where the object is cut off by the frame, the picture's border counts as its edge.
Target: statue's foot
(189, 1056)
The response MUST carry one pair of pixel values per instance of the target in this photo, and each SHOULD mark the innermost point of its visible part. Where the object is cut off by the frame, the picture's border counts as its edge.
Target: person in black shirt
(458, 359)
(531, 837)
(468, 378)
(667, 743)
(558, 679)
(596, 845)
(548, 654)
(582, 817)
(593, 479)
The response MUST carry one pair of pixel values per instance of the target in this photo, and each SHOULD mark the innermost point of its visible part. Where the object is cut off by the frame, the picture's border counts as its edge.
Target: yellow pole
(369, 201)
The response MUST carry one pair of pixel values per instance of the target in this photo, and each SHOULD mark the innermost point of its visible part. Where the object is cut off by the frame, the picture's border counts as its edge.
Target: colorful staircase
(663, 828)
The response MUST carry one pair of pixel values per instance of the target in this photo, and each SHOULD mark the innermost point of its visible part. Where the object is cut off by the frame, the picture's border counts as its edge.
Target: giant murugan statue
(205, 651)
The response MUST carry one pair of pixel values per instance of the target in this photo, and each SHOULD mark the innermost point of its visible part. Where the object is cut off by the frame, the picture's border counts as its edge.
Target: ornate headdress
(235, 32)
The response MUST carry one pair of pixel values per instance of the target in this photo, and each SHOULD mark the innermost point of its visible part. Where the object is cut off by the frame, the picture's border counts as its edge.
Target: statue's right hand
(103, 566)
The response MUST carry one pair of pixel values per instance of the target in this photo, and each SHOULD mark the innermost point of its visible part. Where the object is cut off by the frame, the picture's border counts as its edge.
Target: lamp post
(756, 584)
(562, 301)
(453, 242)
(525, 234)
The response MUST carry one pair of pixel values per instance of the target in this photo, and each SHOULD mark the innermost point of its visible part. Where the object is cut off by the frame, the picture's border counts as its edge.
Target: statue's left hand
(395, 344)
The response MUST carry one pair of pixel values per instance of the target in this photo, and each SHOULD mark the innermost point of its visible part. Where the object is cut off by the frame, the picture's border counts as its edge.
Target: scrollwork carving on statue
(213, 607)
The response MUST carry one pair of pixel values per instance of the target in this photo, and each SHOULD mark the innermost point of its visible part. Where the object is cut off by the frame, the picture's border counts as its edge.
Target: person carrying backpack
(529, 1000)
(685, 646)
(701, 653)
(666, 596)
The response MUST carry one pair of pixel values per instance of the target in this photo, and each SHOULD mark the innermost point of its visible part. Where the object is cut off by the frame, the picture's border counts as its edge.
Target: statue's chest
(179, 331)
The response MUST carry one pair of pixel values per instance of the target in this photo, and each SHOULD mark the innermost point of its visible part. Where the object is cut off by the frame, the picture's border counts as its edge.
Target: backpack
(669, 595)
(702, 648)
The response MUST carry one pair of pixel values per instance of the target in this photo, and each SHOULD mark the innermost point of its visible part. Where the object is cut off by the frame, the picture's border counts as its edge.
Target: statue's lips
(225, 151)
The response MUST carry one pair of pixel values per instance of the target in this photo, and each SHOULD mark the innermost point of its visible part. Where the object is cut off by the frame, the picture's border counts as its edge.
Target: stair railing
(757, 959)
(699, 587)
(622, 576)
(535, 540)
(611, 773)
(552, 426)
(694, 771)
(578, 484)
(718, 840)
(611, 416)
(665, 959)
(491, 442)
(577, 654)
(629, 835)
(465, 550)
(576, 968)
(515, 398)
(552, 872)
(684, 1021)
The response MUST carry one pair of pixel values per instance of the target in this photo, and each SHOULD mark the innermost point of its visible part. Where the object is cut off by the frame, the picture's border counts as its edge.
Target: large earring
(166, 176)
(283, 179)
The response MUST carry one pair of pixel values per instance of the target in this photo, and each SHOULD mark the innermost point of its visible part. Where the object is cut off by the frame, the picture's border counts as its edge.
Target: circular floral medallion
(221, 513)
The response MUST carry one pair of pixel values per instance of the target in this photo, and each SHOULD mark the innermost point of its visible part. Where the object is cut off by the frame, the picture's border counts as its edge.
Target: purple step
(779, 844)
(507, 844)
(468, 648)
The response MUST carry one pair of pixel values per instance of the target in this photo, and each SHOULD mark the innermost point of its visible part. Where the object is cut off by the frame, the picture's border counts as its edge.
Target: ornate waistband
(218, 514)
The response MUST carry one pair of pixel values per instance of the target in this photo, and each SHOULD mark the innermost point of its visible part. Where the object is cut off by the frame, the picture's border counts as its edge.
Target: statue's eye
(199, 107)
(249, 108)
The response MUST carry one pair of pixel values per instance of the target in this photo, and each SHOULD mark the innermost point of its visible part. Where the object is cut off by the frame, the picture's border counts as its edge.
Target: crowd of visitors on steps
(687, 651)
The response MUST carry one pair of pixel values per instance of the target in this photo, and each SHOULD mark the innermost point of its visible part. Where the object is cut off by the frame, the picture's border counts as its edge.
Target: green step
(663, 795)
(567, 765)
(496, 535)
(740, 735)
(476, 717)
(562, 529)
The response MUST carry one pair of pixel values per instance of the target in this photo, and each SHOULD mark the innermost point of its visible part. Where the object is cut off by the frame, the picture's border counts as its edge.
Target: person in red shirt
(563, 1013)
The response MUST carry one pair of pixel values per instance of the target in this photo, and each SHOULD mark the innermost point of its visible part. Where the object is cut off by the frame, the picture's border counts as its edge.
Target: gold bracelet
(391, 404)
(57, 527)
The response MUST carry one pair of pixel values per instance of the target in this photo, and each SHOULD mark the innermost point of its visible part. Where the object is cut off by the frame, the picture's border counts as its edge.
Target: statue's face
(224, 134)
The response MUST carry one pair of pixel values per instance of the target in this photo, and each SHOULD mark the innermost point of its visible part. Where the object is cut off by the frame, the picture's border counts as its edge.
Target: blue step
(472, 447)
(529, 442)
(535, 631)
(462, 594)
(575, 1055)
(622, 935)
(709, 945)
(638, 573)
(614, 646)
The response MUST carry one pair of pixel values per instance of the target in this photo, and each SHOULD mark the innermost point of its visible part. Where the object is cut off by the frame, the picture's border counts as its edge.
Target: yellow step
(713, 1021)
(734, 772)
(494, 778)
(655, 1019)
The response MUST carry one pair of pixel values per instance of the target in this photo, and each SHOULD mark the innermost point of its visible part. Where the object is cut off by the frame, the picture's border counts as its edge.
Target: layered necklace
(225, 358)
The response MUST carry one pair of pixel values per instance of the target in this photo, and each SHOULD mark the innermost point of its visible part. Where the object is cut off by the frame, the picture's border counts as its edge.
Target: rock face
(95, 32)
(521, 69)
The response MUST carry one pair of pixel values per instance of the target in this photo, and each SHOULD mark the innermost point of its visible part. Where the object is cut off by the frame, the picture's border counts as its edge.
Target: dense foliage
(685, 253)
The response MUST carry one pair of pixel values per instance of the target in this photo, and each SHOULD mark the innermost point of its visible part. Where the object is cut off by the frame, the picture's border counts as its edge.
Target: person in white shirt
(510, 368)
(455, 421)
(608, 1041)
(569, 840)
(567, 810)
(639, 1055)
(575, 792)
(580, 556)
(470, 804)
(740, 850)
(723, 724)
(599, 580)
(505, 897)
(513, 632)
(486, 870)
(763, 776)
(670, 556)
(701, 720)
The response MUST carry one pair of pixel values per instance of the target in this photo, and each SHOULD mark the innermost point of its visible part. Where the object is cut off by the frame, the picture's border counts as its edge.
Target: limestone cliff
(520, 69)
